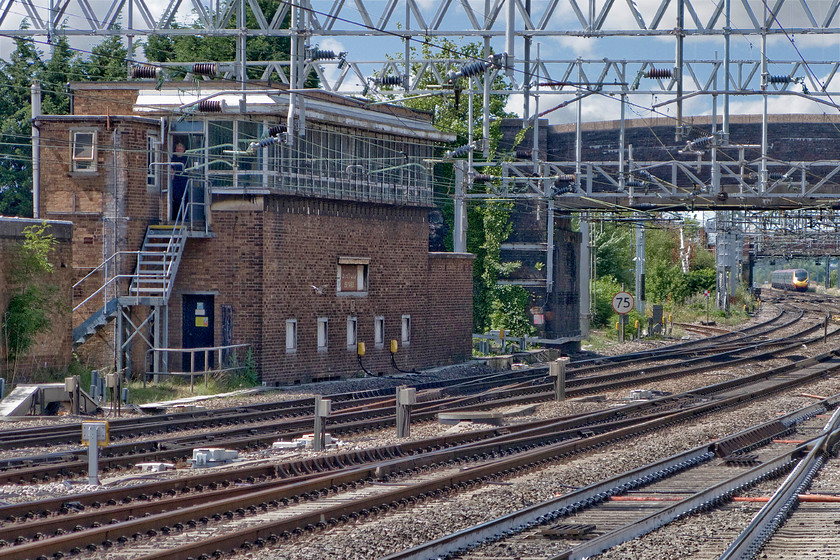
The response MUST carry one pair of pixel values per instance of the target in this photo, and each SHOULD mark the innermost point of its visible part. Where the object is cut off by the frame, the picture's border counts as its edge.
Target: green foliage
(508, 310)
(664, 280)
(243, 375)
(206, 48)
(33, 296)
(605, 289)
(614, 253)
(107, 62)
(15, 132)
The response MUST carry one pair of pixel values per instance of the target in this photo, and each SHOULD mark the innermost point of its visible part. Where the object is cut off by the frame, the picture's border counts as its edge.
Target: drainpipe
(36, 149)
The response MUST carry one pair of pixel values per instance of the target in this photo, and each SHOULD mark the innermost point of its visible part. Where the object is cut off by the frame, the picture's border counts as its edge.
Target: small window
(323, 324)
(353, 275)
(351, 333)
(291, 335)
(84, 151)
(406, 329)
(379, 331)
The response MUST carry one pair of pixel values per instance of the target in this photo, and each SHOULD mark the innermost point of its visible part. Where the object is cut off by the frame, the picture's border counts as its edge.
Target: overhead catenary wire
(445, 48)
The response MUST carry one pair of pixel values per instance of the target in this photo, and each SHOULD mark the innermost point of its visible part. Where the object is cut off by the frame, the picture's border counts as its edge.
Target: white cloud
(331, 70)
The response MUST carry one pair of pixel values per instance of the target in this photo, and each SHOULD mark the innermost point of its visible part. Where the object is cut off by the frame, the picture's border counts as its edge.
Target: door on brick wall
(198, 330)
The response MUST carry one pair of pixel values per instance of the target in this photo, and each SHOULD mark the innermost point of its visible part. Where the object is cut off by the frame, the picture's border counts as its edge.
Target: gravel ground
(402, 529)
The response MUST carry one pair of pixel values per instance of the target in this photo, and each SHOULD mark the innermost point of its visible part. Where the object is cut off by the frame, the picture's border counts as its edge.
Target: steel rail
(177, 448)
(594, 494)
(52, 435)
(118, 531)
(782, 503)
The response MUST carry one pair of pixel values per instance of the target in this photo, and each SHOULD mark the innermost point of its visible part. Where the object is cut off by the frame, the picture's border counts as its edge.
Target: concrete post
(71, 385)
(2, 387)
(827, 272)
(406, 396)
(557, 370)
(323, 408)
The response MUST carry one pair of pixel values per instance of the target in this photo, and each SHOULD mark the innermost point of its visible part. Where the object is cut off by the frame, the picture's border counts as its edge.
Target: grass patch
(597, 341)
(171, 389)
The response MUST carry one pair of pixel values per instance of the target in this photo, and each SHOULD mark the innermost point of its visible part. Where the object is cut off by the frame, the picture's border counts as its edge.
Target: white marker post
(95, 434)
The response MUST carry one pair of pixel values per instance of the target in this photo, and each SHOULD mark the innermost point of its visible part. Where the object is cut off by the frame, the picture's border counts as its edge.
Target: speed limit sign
(623, 302)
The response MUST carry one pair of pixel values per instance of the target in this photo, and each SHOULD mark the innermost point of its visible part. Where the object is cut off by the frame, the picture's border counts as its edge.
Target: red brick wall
(230, 266)
(449, 317)
(110, 101)
(265, 264)
(52, 350)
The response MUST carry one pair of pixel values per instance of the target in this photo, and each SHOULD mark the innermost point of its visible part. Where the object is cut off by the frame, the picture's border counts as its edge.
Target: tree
(15, 112)
(63, 66)
(107, 61)
(208, 48)
(32, 294)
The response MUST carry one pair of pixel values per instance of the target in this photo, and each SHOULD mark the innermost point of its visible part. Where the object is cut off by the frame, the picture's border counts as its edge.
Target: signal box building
(200, 223)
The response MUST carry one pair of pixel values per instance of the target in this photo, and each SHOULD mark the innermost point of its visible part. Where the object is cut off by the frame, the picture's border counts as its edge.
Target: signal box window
(353, 276)
(291, 336)
(351, 333)
(379, 331)
(406, 329)
(83, 151)
(323, 325)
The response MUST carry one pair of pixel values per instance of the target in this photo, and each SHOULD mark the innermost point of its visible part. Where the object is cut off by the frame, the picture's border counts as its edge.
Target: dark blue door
(198, 329)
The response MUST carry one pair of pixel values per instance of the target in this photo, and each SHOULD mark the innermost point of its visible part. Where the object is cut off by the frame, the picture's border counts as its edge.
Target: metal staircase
(157, 264)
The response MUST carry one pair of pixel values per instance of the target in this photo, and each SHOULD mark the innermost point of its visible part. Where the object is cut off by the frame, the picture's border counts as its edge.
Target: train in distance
(794, 279)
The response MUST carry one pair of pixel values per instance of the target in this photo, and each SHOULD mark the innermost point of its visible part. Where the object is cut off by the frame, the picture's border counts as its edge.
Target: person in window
(179, 180)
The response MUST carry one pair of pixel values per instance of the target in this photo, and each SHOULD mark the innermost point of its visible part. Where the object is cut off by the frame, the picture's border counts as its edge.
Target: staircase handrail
(108, 281)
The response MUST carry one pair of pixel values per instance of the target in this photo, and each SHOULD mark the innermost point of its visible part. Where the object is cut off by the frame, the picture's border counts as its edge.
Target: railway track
(486, 461)
(368, 414)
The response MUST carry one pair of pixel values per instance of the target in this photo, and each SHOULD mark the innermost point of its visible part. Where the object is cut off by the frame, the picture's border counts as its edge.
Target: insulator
(210, 106)
(634, 183)
(471, 69)
(277, 129)
(268, 141)
(702, 143)
(779, 80)
(659, 73)
(205, 68)
(321, 54)
(459, 151)
(564, 178)
(483, 178)
(390, 81)
(524, 154)
(775, 176)
(145, 71)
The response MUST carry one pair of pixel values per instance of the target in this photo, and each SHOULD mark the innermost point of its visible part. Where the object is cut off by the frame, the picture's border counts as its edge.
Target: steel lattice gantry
(511, 29)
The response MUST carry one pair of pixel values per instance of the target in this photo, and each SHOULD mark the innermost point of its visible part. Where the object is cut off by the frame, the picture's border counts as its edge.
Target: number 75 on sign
(622, 303)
